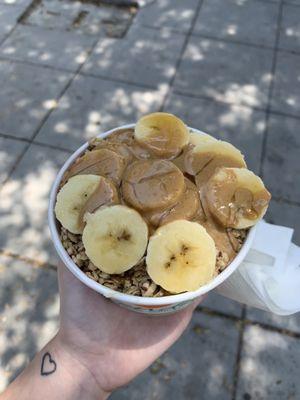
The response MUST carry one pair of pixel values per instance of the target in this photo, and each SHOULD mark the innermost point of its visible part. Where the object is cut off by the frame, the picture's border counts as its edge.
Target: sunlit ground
(228, 67)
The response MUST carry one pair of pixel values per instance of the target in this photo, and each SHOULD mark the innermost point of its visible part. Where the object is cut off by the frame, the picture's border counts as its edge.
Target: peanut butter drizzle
(161, 144)
(216, 231)
(120, 148)
(154, 188)
(232, 202)
(152, 184)
(104, 194)
(126, 137)
(179, 160)
(221, 238)
(185, 208)
(103, 162)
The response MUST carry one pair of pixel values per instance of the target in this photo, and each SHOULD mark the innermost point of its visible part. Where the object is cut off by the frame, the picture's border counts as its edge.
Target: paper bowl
(147, 305)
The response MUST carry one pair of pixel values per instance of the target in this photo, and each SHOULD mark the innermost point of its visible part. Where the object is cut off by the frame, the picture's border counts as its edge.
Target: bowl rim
(119, 296)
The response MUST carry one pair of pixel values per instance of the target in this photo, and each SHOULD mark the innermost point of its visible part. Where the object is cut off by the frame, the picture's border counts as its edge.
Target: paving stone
(295, 2)
(53, 48)
(219, 303)
(229, 72)
(168, 13)
(22, 3)
(10, 150)
(24, 204)
(199, 365)
(27, 93)
(241, 126)
(144, 3)
(281, 167)
(285, 214)
(145, 56)
(29, 314)
(269, 367)
(273, 1)
(289, 322)
(8, 18)
(88, 18)
(92, 105)
(54, 14)
(286, 93)
(290, 28)
(233, 19)
(104, 20)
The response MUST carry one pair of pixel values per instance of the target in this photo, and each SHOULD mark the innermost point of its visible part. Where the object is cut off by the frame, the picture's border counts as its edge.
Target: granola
(136, 281)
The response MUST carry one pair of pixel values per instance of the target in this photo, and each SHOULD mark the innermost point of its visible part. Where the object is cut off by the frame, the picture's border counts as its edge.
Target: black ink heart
(48, 365)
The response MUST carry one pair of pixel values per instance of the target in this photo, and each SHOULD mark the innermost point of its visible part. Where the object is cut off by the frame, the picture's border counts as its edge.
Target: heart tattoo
(48, 365)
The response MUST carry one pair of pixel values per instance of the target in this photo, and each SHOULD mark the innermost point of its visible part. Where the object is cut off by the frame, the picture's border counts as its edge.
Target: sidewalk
(69, 70)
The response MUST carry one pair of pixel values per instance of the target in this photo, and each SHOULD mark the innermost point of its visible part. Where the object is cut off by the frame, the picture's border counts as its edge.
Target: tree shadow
(219, 88)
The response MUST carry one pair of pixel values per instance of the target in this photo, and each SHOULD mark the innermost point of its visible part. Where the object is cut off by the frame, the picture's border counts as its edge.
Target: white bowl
(149, 305)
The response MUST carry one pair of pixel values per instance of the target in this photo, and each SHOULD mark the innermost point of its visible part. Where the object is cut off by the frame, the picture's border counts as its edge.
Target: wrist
(76, 370)
(55, 373)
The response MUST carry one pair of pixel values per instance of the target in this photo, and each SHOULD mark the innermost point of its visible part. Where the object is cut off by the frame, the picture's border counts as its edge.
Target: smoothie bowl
(155, 214)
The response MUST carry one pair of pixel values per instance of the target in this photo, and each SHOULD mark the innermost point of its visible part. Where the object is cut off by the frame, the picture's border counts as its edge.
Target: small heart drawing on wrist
(48, 366)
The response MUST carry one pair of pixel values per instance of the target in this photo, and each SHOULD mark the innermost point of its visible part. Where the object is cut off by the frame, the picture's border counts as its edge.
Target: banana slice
(164, 134)
(152, 184)
(236, 197)
(185, 208)
(115, 238)
(103, 162)
(203, 160)
(181, 256)
(72, 198)
(197, 139)
(105, 194)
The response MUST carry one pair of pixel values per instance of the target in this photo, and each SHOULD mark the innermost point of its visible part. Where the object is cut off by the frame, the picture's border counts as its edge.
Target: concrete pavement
(69, 70)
